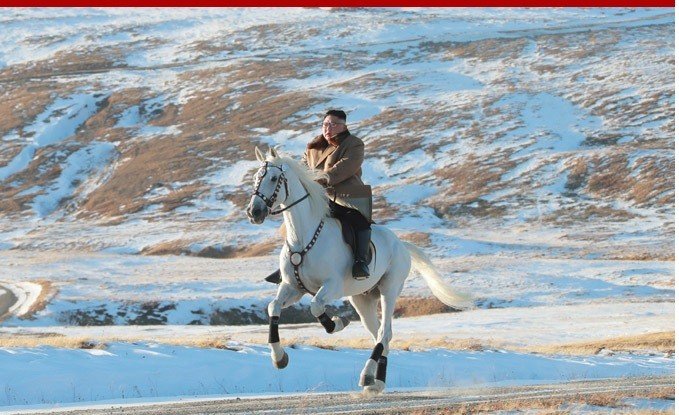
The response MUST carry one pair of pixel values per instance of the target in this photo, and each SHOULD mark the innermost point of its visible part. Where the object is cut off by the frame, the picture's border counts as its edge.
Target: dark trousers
(353, 216)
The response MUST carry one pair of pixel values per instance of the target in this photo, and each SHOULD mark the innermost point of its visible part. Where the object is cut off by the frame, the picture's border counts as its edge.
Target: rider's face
(332, 126)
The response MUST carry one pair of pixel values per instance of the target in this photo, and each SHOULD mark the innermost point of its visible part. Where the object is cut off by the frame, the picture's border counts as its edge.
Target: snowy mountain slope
(493, 118)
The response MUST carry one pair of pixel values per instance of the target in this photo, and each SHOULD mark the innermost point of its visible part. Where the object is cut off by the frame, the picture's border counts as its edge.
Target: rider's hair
(337, 113)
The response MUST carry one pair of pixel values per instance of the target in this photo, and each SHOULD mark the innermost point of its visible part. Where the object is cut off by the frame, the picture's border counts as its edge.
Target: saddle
(349, 236)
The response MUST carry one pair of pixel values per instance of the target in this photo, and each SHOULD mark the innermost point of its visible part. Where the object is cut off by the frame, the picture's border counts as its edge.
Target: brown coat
(342, 163)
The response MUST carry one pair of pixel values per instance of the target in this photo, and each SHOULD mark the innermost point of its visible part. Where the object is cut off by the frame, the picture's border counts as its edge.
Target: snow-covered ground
(124, 371)
(586, 301)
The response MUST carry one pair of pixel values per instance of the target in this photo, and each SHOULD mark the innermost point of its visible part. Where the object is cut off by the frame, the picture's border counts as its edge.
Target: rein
(276, 212)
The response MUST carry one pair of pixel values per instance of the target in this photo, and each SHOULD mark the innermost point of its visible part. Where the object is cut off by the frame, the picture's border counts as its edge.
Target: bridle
(296, 258)
(282, 180)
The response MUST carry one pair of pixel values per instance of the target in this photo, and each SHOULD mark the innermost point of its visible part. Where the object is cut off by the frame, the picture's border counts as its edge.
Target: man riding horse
(340, 154)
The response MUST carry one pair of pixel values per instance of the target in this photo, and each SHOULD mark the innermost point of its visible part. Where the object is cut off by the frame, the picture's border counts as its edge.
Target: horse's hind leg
(374, 375)
(326, 294)
(366, 307)
(286, 296)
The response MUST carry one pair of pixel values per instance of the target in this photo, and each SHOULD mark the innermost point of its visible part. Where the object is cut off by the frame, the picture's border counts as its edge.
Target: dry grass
(655, 178)
(181, 247)
(22, 103)
(643, 256)
(81, 342)
(53, 340)
(468, 180)
(224, 133)
(214, 124)
(382, 210)
(488, 49)
(577, 175)
(64, 63)
(580, 213)
(421, 239)
(610, 176)
(555, 405)
(217, 122)
(163, 160)
(410, 344)
(657, 342)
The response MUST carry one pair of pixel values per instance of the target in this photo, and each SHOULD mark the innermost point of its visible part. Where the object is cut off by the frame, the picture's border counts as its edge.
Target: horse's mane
(317, 196)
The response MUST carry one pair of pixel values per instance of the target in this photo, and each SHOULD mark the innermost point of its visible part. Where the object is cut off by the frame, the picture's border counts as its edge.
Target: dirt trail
(420, 402)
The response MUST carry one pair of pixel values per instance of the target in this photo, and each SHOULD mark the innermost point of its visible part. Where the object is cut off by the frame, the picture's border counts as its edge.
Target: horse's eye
(274, 178)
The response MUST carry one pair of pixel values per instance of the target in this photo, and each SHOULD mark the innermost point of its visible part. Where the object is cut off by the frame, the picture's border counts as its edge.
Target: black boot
(274, 277)
(360, 269)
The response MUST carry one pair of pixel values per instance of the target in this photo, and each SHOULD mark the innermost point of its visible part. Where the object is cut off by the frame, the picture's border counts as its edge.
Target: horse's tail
(438, 287)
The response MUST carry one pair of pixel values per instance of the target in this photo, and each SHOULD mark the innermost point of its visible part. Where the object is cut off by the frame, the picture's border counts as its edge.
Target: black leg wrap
(382, 369)
(377, 351)
(327, 322)
(273, 330)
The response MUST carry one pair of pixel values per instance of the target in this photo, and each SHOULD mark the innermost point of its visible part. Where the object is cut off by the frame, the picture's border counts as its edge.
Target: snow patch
(77, 167)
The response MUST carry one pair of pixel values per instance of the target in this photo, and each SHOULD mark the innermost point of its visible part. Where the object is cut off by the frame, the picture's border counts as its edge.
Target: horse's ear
(273, 153)
(258, 153)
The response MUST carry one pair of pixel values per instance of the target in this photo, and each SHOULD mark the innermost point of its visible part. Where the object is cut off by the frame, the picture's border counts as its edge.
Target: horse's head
(269, 181)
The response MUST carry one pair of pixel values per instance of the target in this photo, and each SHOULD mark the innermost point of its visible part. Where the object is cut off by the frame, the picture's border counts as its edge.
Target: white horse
(316, 260)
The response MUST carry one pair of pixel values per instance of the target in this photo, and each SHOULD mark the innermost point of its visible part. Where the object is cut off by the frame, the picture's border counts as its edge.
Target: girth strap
(296, 258)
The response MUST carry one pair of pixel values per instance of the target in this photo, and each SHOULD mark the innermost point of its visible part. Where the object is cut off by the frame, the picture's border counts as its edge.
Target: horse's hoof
(340, 323)
(283, 363)
(366, 380)
(374, 389)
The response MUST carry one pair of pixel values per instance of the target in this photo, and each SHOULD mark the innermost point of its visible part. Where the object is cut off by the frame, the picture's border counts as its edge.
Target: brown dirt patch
(23, 102)
(415, 306)
(421, 239)
(468, 180)
(487, 49)
(577, 174)
(181, 247)
(162, 160)
(65, 63)
(382, 210)
(575, 214)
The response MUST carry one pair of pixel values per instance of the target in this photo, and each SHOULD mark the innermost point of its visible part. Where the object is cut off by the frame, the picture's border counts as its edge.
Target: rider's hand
(323, 182)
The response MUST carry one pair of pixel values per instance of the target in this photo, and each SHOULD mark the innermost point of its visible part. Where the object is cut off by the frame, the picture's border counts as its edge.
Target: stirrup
(274, 277)
(360, 270)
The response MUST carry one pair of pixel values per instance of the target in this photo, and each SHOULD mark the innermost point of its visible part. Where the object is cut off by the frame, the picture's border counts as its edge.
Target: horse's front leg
(329, 292)
(286, 296)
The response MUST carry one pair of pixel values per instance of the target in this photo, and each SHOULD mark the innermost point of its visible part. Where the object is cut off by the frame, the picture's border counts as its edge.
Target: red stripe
(348, 3)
